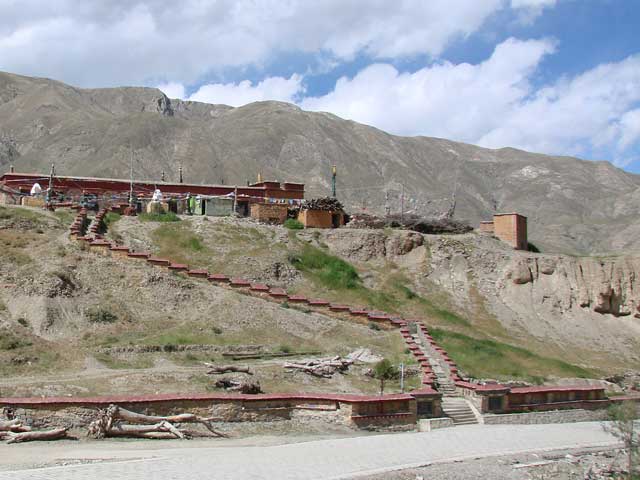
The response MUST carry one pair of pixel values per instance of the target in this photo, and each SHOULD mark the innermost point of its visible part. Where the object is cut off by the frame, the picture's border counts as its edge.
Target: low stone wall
(552, 416)
(395, 412)
(428, 424)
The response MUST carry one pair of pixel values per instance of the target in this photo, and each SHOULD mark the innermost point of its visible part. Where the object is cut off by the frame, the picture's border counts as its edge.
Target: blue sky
(553, 76)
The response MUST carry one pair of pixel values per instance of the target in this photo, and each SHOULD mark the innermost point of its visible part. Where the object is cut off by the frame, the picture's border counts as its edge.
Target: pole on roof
(387, 209)
(333, 180)
(180, 173)
(235, 199)
(402, 203)
(162, 178)
(50, 188)
(131, 179)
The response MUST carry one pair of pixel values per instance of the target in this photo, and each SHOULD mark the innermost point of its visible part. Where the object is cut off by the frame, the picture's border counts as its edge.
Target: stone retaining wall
(396, 412)
(552, 416)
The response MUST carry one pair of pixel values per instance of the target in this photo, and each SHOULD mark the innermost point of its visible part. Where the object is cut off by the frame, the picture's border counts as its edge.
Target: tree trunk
(54, 434)
(218, 369)
(149, 425)
(13, 426)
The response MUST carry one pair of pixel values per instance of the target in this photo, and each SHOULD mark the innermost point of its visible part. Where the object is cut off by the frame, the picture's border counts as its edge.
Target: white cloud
(118, 42)
(173, 90)
(532, 3)
(494, 103)
(237, 94)
(529, 10)
(455, 101)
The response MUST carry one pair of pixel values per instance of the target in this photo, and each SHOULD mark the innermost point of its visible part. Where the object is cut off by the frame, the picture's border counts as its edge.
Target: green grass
(330, 271)
(111, 218)
(65, 216)
(140, 361)
(19, 213)
(483, 358)
(159, 217)
(293, 224)
(178, 243)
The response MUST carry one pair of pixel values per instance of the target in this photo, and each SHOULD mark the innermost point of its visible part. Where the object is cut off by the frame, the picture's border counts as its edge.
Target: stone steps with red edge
(297, 299)
(218, 277)
(198, 273)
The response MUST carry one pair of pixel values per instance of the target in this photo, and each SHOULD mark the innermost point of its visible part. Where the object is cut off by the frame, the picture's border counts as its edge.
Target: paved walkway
(324, 459)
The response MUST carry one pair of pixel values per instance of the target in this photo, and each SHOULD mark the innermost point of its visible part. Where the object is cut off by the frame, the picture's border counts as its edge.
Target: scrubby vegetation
(100, 314)
(484, 358)
(10, 341)
(159, 217)
(110, 218)
(329, 270)
(293, 224)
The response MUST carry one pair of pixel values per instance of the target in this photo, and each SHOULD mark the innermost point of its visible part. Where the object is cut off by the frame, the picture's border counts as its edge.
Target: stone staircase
(453, 405)
(459, 410)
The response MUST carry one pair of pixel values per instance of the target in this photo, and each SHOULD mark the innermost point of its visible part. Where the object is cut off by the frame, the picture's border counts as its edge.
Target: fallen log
(19, 437)
(13, 426)
(143, 431)
(219, 369)
(110, 421)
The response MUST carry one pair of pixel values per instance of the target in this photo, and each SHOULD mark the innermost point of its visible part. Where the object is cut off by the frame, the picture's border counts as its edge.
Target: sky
(553, 76)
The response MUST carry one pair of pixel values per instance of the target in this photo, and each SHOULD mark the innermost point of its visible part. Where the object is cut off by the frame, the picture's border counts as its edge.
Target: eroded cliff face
(606, 286)
(585, 307)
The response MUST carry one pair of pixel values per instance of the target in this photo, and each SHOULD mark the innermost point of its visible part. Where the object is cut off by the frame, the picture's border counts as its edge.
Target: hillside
(574, 206)
(75, 322)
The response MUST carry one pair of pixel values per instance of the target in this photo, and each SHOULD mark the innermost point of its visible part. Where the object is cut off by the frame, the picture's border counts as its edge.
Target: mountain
(573, 206)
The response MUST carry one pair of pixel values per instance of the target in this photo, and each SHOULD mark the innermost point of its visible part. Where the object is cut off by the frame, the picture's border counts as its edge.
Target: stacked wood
(326, 203)
(410, 222)
(324, 368)
(116, 421)
(219, 369)
(241, 386)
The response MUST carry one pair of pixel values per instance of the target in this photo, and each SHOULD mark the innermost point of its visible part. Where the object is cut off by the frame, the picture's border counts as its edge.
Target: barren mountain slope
(573, 206)
(582, 310)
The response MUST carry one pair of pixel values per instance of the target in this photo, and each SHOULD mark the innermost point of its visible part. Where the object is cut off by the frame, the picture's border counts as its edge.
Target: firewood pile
(325, 203)
(116, 421)
(14, 431)
(324, 368)
(410, 222)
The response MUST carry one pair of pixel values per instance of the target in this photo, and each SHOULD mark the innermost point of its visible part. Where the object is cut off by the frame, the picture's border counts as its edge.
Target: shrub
(285, 349)
(384, 370)
(217, 330)
(23, 321)
(293, 224)
(374, 326)
(159, 217)
(9, 341)
(100, 315)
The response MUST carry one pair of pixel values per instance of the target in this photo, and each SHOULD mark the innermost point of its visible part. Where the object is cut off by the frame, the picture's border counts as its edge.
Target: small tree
(623, 428)
(384, 370)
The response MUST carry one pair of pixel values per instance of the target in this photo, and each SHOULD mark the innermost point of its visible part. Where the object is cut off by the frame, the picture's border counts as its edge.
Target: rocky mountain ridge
(573, 206)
